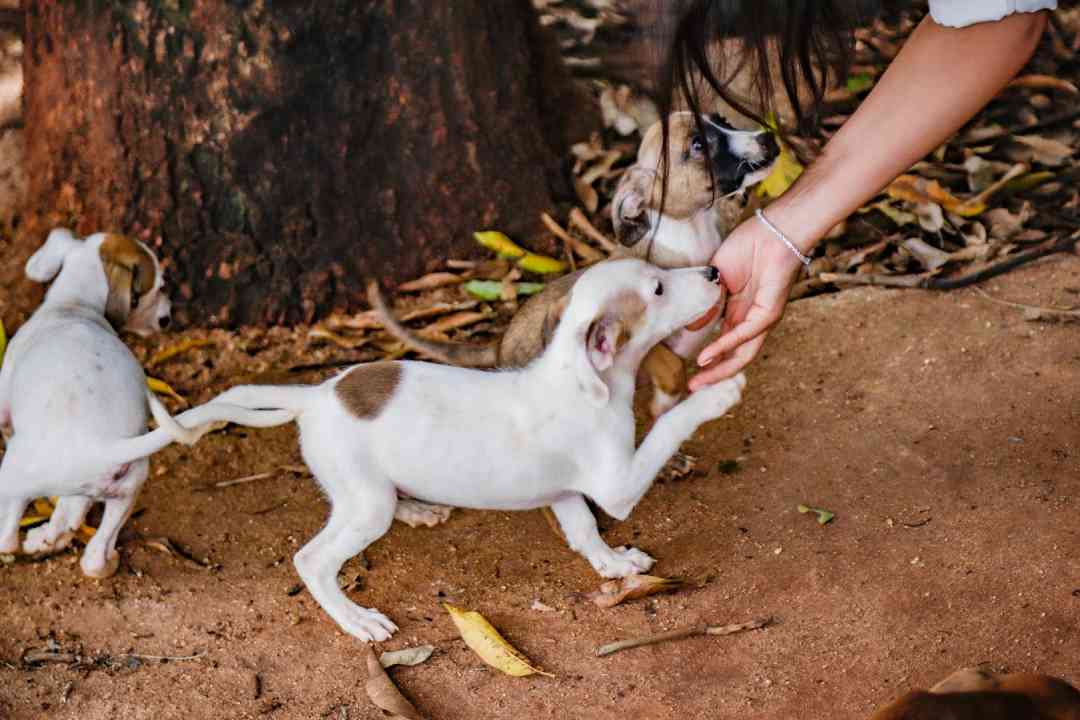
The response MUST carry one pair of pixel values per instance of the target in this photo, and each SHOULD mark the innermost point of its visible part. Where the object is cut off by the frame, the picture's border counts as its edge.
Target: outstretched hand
(758, 271)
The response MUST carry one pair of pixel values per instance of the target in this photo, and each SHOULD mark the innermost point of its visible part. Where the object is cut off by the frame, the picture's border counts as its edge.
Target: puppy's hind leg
(579, 526)
(363, 510)
(11, 510)
(100, 559)
(58, 533)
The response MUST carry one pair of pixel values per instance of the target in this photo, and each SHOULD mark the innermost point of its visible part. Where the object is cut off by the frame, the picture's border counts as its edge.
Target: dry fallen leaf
(3, 341)
(163, 388)
(1004, 224)
(925, 254)
(384, 693)
(1044, 82)
(919, 190)
(457, 320)
(321, 333)
(586, 194)
(183, 347)
(898, 216)
(632, 587)
(430, 282)
(407, 656)
(1051, 153)
(485, 641)
(931, 218)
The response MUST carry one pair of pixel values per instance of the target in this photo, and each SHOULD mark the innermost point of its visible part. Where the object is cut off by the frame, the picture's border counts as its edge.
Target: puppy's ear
(601, 341)
(628, 209)
(552, 317)
(129, 273)
(44, 264)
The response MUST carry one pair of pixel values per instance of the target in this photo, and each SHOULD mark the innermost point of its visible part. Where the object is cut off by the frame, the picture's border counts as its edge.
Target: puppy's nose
(164, 321)
(711, 274)
(769, 146)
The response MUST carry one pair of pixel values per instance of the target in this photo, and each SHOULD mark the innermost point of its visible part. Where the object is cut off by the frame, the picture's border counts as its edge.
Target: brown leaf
(1044, 82)
(430, 282)
(321, 333)
(366, 320)
(931, 219)
(925, 254)
(1051, 153)
(632, 587)
(436, 310)
(1004, 224)
(452, 322)
(383, 692)
(586, 194)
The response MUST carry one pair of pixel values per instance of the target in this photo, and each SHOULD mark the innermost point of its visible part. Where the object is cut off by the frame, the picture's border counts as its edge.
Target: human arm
(938, 81)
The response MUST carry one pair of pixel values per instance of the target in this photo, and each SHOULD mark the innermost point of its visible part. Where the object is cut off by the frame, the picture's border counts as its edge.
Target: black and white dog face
(704, 163)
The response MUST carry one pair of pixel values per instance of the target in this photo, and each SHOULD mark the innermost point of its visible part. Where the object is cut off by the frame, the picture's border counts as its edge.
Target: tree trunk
(278, 154)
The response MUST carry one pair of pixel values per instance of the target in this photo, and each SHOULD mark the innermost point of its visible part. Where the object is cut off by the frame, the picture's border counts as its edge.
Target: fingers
(758, 320)
(728, 366)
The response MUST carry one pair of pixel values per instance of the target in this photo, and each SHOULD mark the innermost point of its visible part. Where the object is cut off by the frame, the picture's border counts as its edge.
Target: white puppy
(550, 434)
(73, 399)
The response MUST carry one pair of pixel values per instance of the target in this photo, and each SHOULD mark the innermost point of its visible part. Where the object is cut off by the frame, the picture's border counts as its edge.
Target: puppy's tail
(458, 354)
(189, 426)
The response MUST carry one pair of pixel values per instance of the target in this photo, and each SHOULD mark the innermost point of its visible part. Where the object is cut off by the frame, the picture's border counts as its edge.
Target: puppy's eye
(697, 145)
(659, 288)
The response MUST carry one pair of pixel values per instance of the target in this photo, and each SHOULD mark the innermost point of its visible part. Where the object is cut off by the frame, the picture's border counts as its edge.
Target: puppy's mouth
(706, 318)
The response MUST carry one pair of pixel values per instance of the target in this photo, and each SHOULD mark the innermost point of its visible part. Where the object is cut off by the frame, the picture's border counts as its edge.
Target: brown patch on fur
(666, 370)
(366, 389)
(129, 271)
(533, 326)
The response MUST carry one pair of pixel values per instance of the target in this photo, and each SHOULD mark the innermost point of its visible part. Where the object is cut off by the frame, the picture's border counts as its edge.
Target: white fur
(550, 434)
(73, 407)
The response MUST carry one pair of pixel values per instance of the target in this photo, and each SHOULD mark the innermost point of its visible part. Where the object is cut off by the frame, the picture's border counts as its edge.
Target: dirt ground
(940, 428)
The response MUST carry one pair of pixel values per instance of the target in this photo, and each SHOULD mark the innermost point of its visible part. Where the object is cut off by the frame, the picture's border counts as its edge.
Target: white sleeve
(960, 13)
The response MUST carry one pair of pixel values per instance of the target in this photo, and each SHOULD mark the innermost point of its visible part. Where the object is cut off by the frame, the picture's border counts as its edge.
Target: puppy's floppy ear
(44, 264)
(599, 343)
(129, 272)
(628, 209)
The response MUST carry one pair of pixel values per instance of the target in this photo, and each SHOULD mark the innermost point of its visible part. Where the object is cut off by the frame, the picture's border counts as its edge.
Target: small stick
(587, 252)
(579, 219)
(682, 633)
(241, 481)
(1061, 313)
(174, 658)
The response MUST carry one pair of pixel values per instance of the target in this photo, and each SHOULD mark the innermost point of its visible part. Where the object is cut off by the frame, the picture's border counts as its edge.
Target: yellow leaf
(163, 388)
(920, 191)
(29, 520)
(175, 350)
(784, 173)
(495, 240)
(3, 341)
(541, 264)
(485, 641)
(43, 507)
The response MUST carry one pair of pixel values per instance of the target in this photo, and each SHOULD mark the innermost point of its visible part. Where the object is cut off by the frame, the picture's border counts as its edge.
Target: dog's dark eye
(697, 145)
(659, 288)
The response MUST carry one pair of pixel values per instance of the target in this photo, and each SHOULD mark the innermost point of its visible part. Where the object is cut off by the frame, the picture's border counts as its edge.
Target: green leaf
(492, 289)
(860, 82)
(824, 517)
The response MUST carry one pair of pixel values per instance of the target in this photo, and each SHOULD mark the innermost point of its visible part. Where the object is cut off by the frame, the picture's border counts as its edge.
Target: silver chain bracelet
(783, 238)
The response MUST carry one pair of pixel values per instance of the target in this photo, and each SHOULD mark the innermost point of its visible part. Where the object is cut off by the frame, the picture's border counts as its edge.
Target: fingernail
(705, 359)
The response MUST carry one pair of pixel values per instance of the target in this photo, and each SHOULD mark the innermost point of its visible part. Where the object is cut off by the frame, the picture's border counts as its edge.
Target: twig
(587, 252)
(930, 282)
(682, 633)
(171, 658)
(580, 220)
(1066, 116)
(239, 481)
(1035, 310)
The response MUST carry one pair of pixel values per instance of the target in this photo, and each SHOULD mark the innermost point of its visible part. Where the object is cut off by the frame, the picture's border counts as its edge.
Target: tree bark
(278, 154)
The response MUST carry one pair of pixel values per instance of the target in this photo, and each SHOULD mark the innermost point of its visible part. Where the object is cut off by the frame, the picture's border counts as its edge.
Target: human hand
(758, 271)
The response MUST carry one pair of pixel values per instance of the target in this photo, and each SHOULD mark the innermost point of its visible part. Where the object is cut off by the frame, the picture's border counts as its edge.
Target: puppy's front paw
(365, 623)
(622, 561)
(715, 400)
(99, 568)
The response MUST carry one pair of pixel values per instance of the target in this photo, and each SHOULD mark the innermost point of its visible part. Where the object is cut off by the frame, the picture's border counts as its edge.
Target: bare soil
(940, 428)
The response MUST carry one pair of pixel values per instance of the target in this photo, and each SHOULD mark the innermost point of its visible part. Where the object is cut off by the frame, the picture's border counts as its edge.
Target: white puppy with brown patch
(73, 399)
(547, 435)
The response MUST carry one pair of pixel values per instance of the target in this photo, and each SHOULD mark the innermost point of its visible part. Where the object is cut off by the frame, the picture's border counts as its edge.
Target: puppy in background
(550, 434)
(685, 227)
(704, 167)
(73, 399)
(975, 694)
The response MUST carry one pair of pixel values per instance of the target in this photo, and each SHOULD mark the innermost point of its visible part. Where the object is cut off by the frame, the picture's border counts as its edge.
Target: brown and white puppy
(73, 399)
(704, 166)
(976, 694)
